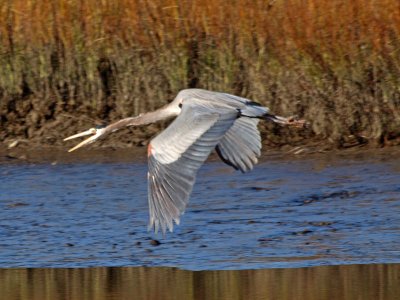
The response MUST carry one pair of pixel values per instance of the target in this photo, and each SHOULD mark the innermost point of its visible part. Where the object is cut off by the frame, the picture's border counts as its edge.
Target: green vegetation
(334, 63)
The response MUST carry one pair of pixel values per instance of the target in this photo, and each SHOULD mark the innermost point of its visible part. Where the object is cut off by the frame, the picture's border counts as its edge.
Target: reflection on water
(334, 282)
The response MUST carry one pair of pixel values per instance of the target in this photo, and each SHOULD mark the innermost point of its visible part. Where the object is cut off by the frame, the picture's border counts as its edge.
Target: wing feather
(176, 155)
(241, 145)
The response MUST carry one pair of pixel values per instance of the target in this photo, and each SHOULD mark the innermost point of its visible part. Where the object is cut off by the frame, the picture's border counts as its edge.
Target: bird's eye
(180, 105)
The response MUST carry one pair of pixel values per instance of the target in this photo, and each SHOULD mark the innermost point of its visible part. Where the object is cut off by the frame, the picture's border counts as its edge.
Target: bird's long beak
(85, 142)
(87, 132)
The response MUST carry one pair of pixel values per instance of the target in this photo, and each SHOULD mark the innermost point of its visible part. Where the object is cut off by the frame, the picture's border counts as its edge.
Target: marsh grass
(335, 63)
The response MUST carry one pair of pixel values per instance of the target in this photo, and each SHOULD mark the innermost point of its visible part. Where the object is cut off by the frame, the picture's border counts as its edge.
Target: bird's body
(205, 121)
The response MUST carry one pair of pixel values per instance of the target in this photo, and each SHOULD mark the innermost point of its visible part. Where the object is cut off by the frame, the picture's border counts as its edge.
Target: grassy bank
(68, 64)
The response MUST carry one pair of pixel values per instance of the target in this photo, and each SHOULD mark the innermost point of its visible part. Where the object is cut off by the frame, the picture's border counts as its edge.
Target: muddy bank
(32, 123)
(21, 151)
(31, 126)
(22, 139)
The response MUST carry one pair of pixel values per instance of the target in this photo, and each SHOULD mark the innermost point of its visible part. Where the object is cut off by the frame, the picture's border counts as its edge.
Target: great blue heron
(205, 121)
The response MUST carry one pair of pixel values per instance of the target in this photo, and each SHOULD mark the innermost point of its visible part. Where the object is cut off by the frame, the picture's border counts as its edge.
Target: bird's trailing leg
(289, 121)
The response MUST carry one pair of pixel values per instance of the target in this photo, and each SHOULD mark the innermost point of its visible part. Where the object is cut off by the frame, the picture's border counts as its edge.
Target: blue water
(316, 210)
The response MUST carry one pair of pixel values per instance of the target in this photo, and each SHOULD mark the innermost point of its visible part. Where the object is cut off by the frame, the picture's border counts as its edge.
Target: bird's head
(95, 133)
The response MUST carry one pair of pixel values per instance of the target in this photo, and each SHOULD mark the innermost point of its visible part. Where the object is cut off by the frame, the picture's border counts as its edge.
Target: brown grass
(335, 63)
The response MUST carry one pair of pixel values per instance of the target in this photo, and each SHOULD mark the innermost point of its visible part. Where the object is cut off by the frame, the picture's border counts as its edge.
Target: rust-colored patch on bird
(149, 150)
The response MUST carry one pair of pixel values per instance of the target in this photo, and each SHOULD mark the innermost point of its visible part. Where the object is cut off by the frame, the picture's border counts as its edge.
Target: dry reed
(335, 63)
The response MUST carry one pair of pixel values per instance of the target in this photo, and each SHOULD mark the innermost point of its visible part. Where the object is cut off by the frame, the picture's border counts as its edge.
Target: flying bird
(205, 120)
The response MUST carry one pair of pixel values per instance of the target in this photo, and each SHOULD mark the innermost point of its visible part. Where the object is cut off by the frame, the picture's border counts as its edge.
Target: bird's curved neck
(163, 113)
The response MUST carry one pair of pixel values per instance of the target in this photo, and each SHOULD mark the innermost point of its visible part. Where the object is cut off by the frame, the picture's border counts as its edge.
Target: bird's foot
(295, 122)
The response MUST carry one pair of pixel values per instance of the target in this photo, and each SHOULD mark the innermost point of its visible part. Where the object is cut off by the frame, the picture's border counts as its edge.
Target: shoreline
(24, 153)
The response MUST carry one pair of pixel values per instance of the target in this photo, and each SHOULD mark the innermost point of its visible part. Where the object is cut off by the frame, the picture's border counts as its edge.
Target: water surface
(310, 211)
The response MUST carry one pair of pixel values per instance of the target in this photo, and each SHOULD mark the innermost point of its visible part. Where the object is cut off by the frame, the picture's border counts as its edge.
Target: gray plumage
(205, 121)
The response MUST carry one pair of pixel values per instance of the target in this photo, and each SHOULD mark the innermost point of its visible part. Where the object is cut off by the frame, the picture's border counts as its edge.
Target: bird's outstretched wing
(240, 147)
(177, 153)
